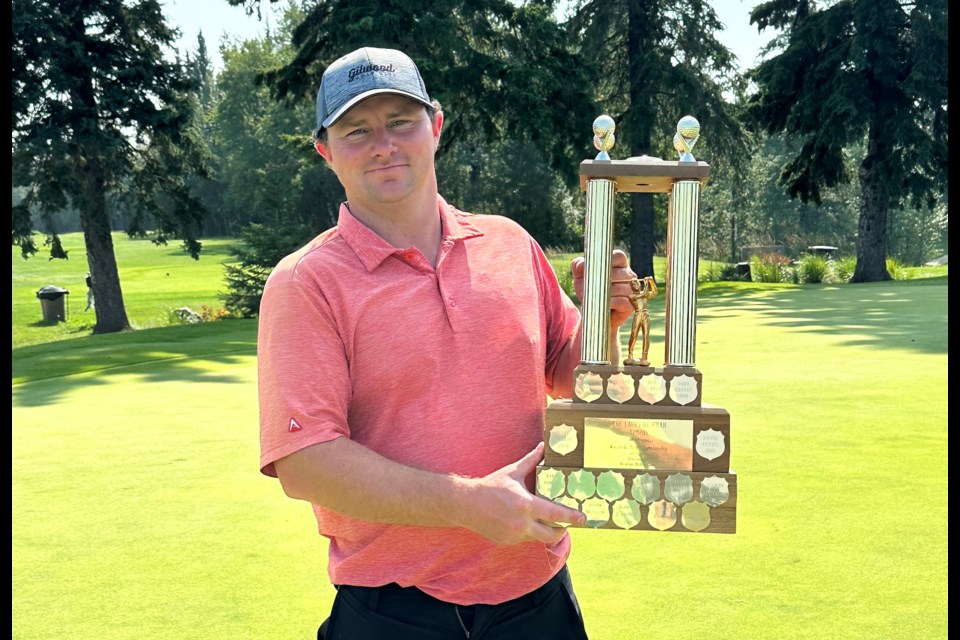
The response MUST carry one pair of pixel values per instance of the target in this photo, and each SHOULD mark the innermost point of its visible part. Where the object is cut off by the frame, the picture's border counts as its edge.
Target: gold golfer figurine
(643, 290)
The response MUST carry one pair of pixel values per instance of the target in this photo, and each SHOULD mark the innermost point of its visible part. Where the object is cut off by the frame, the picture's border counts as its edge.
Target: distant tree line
(855, 90)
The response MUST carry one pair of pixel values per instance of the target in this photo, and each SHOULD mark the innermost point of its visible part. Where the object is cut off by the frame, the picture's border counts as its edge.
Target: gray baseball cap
(363, 73)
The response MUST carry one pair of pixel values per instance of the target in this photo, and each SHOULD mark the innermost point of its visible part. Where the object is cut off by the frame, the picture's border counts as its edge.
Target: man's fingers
(576, 267)
(553, 514)
(619, 259)
(529, 462)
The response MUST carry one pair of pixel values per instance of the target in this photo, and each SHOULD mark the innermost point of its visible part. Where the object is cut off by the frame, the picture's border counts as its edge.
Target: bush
(771, 267)
(812, 269)
(841, 270)
(211, 314)
(896, 269)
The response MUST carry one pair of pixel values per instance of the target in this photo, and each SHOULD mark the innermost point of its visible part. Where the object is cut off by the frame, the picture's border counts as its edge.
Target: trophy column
(635, 448)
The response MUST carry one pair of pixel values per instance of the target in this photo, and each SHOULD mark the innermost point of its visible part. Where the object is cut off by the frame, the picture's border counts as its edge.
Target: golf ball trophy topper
(636, 448)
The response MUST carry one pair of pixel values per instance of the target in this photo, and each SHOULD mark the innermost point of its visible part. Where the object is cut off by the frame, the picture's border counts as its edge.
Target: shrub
(211, 314)
(841, 270)
(771, 267)
(812, 269)
(896, 269)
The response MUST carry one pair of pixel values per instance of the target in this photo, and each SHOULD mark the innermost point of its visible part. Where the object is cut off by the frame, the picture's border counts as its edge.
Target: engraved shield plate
(714, 490)
(626, 514)
(550, 482)
(678, 488)
(620, 387)
(695, 516)
(683, 389)
(597, 511)
(646, 488)
(662, 515)
(652, 388)
(588, 387)
(710, 444)
(563, 439)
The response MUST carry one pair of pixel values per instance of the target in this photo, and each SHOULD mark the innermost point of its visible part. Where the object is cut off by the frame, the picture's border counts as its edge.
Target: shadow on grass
(194, 352)
(903, 314)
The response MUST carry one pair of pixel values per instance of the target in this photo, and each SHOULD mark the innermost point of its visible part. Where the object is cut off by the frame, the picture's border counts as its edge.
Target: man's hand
(621, 309)
(501, 508)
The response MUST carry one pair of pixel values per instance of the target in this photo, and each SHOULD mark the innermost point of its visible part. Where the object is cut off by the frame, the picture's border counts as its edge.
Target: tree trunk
(641, 234)
(874, 208)
(95, 221)
(639, 119)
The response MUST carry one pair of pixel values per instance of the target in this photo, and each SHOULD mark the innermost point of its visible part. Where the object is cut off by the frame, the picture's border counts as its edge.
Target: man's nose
(383, 141)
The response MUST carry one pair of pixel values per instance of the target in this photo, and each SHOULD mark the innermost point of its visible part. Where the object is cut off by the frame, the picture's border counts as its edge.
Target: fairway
(139, 511)
(155, 279)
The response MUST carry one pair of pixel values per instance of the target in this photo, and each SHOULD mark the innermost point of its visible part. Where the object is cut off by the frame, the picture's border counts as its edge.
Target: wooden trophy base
(639, 457)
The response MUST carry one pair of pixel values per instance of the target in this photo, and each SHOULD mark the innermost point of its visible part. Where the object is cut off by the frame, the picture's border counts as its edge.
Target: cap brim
(349, 104)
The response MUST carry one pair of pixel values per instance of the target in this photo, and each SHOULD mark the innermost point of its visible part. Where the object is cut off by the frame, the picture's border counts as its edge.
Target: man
(404, 357)
(89, 282)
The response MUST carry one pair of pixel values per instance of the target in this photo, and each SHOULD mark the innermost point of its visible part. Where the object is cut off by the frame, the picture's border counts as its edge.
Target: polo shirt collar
(373, 250)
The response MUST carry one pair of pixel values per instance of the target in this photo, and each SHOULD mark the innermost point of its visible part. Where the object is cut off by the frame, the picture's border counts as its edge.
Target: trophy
(636, 448)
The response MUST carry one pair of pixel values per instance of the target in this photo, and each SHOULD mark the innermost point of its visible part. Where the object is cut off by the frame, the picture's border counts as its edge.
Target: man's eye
(399, 123)
(356, 132)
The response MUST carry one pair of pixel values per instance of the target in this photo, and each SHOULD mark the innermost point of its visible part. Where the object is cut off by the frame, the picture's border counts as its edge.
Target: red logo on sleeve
(294, 426)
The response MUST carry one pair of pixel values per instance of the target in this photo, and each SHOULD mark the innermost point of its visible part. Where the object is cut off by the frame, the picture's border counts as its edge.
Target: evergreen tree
(859, 70)
(501, 71)
(99, 111)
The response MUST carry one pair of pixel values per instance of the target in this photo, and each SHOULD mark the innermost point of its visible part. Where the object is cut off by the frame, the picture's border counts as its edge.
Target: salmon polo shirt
(444, 369)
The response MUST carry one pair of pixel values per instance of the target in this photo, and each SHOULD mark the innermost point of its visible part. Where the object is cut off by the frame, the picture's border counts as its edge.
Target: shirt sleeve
(562, 318)
(303, 377)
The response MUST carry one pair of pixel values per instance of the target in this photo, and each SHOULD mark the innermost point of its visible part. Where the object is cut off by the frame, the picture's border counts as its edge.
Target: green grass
(138, 509)
(154, 280)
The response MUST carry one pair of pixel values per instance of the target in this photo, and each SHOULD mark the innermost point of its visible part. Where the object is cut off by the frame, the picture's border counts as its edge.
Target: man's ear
(322, 149)
(437, 126)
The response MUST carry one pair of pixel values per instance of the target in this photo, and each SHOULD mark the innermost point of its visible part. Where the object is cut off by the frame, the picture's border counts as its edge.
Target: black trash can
(52, 303)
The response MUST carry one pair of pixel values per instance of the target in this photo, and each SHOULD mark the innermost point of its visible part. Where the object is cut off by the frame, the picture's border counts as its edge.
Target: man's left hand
(621, 309)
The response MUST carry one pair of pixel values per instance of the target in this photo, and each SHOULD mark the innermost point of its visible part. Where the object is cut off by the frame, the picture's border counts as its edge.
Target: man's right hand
(501, 508)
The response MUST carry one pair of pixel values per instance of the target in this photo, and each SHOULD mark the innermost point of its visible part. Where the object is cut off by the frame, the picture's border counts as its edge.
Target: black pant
(392, 612)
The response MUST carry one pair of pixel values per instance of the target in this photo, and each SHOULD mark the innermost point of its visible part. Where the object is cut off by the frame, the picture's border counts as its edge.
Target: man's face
(382, 151)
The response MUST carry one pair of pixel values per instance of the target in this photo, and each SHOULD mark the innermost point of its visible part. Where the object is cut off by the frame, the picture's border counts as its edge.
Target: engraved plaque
(678, 488)
(581, 484)
(683, 389)
(597, 511)
(646, 488)
(610, 485)
(637, 443)
(589, 387)
(714, 490)
(695, 516)
(550, 483)
(652, 388)
(662, 515)
(709, 444)
(626, 514)
(620, 387)
(563, 439)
